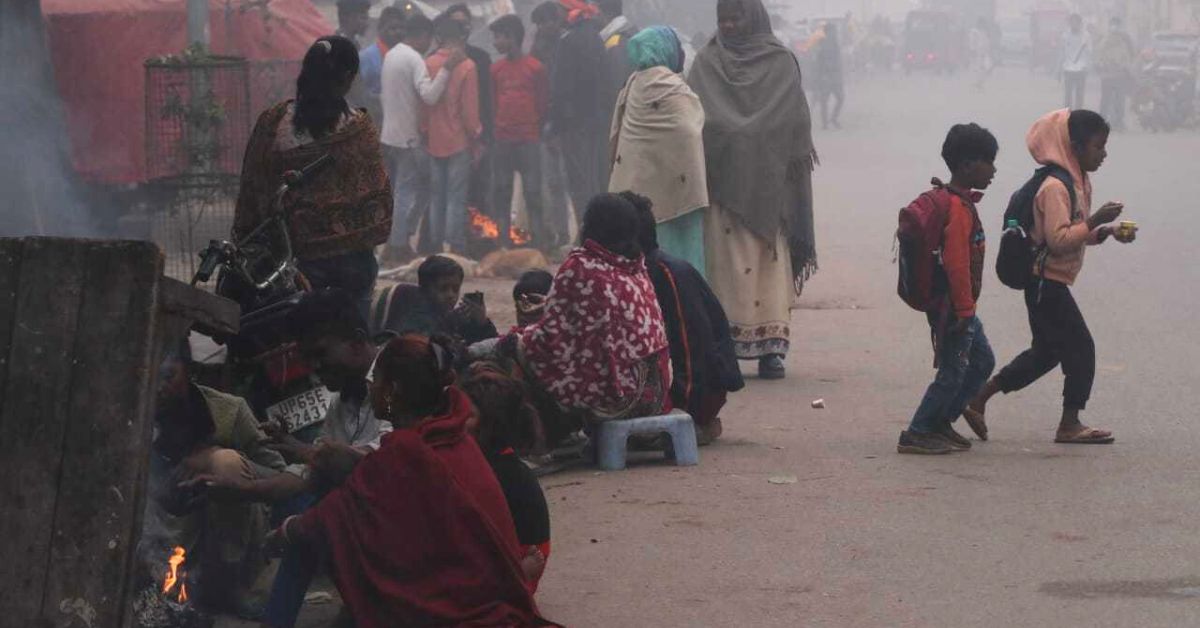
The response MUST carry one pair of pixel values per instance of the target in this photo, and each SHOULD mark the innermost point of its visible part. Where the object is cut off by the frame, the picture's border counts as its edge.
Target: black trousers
(1060, 336)
(585, 156)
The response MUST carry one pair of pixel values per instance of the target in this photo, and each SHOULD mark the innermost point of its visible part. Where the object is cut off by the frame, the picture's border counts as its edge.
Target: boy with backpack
(1050, 226)
(943, 223)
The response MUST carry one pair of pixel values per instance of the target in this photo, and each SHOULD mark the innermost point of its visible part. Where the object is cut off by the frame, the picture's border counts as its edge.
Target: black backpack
(1018, 253)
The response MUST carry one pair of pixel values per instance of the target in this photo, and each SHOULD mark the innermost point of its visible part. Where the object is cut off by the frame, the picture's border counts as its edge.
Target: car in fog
(1016, 42)
(933, 40)
(1173, 49)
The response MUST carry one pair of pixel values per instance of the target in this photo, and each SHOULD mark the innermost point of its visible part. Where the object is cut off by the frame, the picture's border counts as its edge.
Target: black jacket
(578, 79)
(702, 354)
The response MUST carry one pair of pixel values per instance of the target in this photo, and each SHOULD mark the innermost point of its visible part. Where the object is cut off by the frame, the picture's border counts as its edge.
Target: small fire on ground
(485, 228)
(175, 582)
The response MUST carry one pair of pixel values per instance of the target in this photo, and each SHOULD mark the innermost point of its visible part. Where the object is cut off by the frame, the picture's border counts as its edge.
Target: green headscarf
(655, 46)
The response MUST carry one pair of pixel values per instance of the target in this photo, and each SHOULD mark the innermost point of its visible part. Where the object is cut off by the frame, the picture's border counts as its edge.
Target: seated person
(420, 534)
(333, 338)
(433, 306)
(504, 424)
(600, 350)
(529, 296)
(704, 366)
(202, 432)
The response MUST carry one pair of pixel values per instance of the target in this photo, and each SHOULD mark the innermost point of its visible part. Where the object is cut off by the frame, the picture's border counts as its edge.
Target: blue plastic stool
(612, 437)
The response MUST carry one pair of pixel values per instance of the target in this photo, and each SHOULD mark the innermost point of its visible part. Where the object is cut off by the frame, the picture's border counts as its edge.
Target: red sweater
(963, 252)
(522, 95)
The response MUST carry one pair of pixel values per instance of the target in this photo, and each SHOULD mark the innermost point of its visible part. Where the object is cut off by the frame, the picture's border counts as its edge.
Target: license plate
(302, 410)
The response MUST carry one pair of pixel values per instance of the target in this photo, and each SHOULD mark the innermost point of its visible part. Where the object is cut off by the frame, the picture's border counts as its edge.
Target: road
(1018, 532)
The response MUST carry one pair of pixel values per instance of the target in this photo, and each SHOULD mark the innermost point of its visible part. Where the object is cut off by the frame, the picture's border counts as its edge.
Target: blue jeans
(448, 209)
(966, 362)
(296, 570)
(409, 169)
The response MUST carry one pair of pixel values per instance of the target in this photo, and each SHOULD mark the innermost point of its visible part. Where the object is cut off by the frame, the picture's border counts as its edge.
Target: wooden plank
(34, 418)
(212, 314)
(10, 268)
(97, 520)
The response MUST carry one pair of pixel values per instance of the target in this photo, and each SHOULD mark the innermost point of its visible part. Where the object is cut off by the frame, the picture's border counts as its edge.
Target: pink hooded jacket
(1049, 142)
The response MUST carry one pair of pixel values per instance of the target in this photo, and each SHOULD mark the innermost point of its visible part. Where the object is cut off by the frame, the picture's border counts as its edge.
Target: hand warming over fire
(221, 488)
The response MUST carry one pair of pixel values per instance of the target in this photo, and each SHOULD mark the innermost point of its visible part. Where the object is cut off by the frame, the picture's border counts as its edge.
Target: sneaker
(923, 444)
(956, 440)
(771, 367)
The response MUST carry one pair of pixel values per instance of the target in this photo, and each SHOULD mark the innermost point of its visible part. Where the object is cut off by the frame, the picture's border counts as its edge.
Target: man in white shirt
(1077, 60)
(406, 85)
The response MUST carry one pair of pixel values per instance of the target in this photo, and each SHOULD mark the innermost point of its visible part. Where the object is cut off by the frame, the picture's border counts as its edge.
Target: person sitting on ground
(529, 296)
(962, 353)
(204, 432)
(600, 350)
(703, 361)
(343, 212)
(333, 338)
(439, 547)
(505, 425)
(433, 306)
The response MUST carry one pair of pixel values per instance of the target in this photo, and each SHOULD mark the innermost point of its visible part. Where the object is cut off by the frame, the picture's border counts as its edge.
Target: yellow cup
(1127, 228)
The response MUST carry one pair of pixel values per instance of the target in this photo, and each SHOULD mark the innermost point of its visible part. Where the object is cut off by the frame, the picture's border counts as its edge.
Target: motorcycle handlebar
(297, 178)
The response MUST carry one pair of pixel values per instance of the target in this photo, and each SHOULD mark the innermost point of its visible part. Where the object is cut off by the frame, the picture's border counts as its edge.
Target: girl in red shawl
(420, 535)
(600, 350)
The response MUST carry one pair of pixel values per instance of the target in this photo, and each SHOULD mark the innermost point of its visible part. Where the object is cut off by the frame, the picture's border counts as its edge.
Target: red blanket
(420, 535)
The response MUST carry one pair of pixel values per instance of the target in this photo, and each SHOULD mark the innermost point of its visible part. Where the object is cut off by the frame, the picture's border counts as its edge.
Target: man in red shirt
(454, 132)
(522, 94)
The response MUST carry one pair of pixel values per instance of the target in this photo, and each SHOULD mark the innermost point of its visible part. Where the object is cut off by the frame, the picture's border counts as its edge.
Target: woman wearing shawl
(600, 350)
(759, 152)
(343, 212)
(658, 144)
(420, 534)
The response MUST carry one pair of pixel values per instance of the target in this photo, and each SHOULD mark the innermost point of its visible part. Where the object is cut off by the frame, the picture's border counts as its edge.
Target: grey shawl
(758, 135)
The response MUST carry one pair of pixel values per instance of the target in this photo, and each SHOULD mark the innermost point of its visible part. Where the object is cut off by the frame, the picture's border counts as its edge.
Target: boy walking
(963, 355)
(1064, 227)
(455, 131)
(522, 94)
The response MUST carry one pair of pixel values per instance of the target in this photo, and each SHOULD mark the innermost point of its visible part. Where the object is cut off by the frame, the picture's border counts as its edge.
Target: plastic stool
(612, 438)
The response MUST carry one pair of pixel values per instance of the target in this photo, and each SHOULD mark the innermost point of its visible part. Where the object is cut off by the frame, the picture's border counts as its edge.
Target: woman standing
(342, 213)
(658, 143)
(758, 147)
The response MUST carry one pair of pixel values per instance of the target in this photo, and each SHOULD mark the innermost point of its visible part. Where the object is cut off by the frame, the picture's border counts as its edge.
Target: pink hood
(1049, 141)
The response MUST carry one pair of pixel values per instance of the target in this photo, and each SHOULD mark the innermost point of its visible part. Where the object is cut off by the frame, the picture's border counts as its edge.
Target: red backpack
(922, 229)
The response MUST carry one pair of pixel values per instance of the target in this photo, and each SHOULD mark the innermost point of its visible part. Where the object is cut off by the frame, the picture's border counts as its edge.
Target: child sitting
(433, 306)
(504, 424)
(964, 357)
(529, 296)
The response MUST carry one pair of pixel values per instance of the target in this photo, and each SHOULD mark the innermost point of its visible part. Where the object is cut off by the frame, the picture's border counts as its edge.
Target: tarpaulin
(98, 48)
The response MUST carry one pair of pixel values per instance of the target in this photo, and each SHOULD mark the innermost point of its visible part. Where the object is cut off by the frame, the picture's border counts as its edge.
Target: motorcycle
(259, 272)
(1165, 99)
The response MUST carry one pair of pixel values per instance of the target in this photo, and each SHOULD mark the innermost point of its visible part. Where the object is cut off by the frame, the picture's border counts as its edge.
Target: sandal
(975, 420)
(1086, 436)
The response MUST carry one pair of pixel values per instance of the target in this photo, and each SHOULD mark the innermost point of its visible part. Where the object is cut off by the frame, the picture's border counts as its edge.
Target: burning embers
(485, 228)
(166, 604)
(175, 583)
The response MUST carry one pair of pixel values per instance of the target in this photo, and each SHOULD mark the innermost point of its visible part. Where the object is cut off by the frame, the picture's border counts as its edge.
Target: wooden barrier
(82, 326)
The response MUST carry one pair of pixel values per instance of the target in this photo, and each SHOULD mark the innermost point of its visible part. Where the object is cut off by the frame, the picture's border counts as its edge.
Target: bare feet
(975, 418)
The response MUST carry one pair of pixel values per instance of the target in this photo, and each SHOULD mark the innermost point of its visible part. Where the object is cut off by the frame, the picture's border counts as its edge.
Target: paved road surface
(1019, 532)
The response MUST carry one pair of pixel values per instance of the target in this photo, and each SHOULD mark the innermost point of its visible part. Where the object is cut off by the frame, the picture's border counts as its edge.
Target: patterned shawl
(345, 209)
(602, 342)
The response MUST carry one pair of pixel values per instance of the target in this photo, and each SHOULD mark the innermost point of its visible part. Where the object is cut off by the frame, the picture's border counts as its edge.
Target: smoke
(38, 191)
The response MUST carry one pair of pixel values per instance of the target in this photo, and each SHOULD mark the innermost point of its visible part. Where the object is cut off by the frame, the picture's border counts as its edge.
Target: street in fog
(1019, 531)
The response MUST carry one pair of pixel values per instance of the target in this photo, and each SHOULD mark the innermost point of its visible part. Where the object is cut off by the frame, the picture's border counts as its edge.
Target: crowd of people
(695, 236)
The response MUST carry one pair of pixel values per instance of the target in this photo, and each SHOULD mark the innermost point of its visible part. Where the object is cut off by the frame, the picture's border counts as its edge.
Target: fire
(486, 228)
(175, 575)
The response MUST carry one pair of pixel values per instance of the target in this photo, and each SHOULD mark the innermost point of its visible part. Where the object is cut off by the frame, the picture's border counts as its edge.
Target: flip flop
(1087, 436)
(975, 420)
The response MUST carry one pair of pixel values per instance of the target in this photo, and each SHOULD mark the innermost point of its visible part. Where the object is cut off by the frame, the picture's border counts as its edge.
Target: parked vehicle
(259, 273)
(933, 40)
